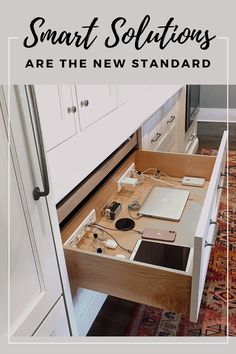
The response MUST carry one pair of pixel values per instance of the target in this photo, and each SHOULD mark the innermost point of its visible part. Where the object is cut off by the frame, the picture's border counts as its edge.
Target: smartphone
(158, 234)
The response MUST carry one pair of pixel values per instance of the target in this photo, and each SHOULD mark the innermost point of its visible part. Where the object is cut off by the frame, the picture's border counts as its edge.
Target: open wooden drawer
(170, 289)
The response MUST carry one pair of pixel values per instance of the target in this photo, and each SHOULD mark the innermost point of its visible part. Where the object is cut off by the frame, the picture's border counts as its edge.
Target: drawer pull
(37, 192)
(156, 138)
(172, 118)
(221, 187)
(215, 234)
(223, 174)
(84, 103)
(71, 109)
(192, 136)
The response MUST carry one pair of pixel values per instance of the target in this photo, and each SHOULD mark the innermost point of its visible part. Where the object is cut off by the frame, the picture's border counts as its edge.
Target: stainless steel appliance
(192, 104)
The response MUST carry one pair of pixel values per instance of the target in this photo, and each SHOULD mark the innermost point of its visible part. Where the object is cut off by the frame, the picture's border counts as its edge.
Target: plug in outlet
(81, 229)
(128, 173)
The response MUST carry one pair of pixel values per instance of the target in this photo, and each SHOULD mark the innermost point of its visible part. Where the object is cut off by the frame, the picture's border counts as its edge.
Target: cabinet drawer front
(168, 142)
(152, 131)
(156, 137)
(170, 113)
(206, 229)
(87, 304)
(130, 280)
(191, 138)
(157, 127)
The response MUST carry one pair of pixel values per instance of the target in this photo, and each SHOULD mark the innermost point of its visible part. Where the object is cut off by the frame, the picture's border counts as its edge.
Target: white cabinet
(57, 108)
(191, 141)
(96, 131)
(101, 118)
(35, 283)
(152, 132)
(56, 323)
(87, 304)
(95, 102)
(128, 93)
(206, 231)
(169, 142)
(170, 113)
(158, 133)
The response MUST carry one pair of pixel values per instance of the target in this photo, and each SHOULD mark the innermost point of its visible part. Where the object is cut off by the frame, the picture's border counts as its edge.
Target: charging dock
(126, 178)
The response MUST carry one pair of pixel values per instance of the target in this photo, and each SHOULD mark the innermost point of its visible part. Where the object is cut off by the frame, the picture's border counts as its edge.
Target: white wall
(215, 96)
(213, 103)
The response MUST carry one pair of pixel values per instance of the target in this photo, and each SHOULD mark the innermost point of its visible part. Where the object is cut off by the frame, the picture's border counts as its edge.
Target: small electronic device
(193, 181)
(164, 203)
(162, 254)
(125, 224)
(129, 181)
(110, 244)
(112, 210)
(160, 235)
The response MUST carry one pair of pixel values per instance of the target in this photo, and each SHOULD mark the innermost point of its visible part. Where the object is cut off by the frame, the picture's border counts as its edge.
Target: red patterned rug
(212, 321)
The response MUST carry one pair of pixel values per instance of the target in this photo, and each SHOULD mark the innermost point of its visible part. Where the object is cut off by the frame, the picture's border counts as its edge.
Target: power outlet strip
(81, 229)
(128, 173)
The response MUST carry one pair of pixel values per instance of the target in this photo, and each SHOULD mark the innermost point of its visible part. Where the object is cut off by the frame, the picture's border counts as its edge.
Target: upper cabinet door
(94, 102)
(35, 284)
(58, 111)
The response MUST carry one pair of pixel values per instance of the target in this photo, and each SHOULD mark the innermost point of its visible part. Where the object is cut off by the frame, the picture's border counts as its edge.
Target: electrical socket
(126, 174)
(81, 229)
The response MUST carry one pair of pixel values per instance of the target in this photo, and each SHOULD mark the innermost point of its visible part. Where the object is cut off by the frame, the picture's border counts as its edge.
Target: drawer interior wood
(140, 282)
(176, 165)
(185, 228)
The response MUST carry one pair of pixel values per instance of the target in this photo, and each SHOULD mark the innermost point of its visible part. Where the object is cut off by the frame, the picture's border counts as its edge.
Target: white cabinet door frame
(54, 324)
(58, 113)
(45, 283)
(95, 102)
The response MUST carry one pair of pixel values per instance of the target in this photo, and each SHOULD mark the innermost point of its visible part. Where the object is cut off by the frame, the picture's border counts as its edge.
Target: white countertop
(145, 101)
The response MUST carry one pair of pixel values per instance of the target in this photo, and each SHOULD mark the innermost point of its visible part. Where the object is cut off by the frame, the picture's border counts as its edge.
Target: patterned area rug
(212, 321)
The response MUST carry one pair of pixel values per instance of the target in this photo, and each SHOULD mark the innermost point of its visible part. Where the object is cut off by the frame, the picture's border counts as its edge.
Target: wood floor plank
(210, 133)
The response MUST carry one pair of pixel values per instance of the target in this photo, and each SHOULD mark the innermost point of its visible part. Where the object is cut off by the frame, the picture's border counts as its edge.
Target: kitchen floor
(114, 316)
(210, 134)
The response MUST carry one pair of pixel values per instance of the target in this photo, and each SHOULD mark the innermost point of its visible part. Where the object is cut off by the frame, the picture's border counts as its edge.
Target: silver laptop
(164, 203)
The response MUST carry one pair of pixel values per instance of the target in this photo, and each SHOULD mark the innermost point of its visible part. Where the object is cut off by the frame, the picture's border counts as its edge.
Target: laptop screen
(165, 203)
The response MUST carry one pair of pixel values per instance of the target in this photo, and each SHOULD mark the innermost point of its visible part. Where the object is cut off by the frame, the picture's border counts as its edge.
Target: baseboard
(216, 115)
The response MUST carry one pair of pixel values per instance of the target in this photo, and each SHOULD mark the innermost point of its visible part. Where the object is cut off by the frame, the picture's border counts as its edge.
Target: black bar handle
(158, 135)
(37, 193)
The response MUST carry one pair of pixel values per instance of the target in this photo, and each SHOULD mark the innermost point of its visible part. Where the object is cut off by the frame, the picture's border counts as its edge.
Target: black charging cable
(109, 234)
(111, 229)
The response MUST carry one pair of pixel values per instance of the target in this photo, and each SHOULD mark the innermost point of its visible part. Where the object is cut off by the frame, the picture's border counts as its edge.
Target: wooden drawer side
(206, 222)
(176, 165)
(131, 281)
(97, 201)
